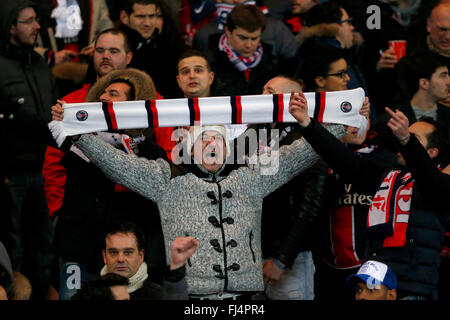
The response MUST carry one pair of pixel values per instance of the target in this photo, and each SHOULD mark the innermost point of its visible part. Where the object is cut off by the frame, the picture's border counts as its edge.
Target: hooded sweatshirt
(27, 92)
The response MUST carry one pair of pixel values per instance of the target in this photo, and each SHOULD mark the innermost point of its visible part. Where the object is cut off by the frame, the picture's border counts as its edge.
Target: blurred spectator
(153, 52)
(196, 79)
(68, 29)
(374, 281)
(124, 254)
(436, 39)
(242, 62)
(340, 243)
(24, 135)
(275, 33)
(6, 274)
(195, 14)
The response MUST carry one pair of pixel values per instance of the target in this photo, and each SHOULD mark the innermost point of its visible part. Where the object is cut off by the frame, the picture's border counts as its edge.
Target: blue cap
(373, 274)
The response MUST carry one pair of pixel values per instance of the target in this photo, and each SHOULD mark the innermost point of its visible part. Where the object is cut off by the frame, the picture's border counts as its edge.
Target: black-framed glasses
(349, 21)
(29, 21)
(342, 74)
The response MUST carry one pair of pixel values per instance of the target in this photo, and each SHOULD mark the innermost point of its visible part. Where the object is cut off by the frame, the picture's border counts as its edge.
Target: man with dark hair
(151, 53)
(107, 287)
(78, 233)
(124, 254)
(429, 79)
(27, 91)
(241, 61)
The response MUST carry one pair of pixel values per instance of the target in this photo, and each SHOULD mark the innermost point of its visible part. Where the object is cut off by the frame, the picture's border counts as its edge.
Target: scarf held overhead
(340, 107)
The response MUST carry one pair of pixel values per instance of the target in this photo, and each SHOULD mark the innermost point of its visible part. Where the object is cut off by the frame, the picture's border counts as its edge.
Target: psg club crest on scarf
(346, 106)
(82, 115)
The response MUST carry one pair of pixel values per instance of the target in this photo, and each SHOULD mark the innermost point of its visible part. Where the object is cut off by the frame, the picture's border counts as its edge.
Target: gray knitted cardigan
(224, 216)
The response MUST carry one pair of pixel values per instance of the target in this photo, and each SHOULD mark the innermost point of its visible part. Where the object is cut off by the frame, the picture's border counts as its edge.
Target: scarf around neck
(240, 63)
(136, 281)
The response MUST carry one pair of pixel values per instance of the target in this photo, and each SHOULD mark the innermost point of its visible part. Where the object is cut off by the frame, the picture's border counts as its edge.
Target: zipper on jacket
(251, 248)
(223, 239)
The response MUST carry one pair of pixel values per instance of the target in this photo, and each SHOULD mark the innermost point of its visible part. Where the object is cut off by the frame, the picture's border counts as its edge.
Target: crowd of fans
(361, 212)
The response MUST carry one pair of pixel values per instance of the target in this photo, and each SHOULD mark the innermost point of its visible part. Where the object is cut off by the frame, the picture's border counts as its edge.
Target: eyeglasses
(349, 21)
(341, 74)
(29, 21)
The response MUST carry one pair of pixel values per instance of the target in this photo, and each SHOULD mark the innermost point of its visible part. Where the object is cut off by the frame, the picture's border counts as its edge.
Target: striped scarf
(240, 63)
(340, 107)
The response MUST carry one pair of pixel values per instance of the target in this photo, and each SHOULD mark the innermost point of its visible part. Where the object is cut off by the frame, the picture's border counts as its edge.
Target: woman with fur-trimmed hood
(92, 201)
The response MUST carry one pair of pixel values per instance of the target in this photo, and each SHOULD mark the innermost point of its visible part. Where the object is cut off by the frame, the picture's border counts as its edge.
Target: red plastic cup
(399, 46)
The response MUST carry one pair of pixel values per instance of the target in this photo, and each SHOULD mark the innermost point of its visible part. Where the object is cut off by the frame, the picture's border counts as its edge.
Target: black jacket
(91, 203)
(27, 92)
(233, 81)
(415, 264)
(290, 214)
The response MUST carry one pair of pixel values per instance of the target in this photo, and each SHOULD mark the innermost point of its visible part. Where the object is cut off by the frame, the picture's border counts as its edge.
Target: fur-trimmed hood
(141, 81)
